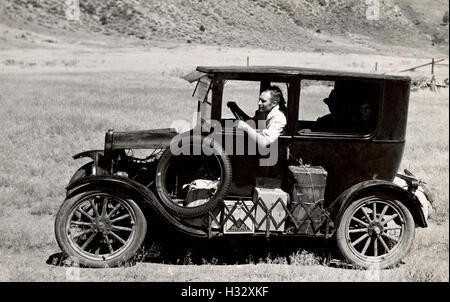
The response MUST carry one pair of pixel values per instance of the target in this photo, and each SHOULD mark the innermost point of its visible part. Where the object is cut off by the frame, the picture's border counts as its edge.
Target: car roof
(294, 71)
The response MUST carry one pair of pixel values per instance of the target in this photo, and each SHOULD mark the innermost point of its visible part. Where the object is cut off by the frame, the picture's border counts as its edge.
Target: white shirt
(275, 122)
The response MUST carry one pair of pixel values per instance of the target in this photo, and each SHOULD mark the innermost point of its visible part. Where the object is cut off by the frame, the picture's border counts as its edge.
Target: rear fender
(377, 187)
(135, 190)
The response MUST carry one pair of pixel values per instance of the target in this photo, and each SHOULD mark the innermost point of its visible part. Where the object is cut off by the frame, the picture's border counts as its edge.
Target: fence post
(432, 66)
(433, 86)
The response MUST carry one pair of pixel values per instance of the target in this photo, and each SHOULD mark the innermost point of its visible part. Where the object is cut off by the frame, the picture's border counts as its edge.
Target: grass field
(46, 117)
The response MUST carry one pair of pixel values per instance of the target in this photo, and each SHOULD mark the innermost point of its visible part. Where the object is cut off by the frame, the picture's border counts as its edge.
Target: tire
(103, 240)
(381, 249)
(225, 179)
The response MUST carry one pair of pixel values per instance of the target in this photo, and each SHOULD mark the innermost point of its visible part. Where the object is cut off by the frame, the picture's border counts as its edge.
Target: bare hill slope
(272, 24)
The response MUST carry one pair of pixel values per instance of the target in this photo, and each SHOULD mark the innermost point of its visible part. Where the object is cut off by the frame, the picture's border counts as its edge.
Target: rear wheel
(100, 228)
(375, 232)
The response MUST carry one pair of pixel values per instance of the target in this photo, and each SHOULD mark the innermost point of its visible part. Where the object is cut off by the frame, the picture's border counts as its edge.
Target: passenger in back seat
(329, 122)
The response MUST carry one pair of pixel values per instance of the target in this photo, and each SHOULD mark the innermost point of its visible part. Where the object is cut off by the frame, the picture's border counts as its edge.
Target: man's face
(366, 111)
(265, 102)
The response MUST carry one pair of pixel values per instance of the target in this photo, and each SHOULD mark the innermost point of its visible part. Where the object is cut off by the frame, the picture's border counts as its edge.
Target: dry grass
(426, 152)
(48, 117)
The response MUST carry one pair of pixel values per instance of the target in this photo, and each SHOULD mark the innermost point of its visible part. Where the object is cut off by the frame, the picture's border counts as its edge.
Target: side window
(244, 93)
(346, 107)
(312, 96)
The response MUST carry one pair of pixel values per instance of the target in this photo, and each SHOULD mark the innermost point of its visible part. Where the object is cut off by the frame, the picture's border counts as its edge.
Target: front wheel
(100, 228)
(375, 232)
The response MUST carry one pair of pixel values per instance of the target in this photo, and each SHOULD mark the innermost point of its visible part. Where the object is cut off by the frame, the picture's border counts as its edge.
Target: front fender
(338, 206)
(91, 153)
(135, 189)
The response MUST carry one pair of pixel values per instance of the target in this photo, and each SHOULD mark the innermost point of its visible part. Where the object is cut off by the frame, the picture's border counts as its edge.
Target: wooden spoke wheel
(375, 232)
(100, 229)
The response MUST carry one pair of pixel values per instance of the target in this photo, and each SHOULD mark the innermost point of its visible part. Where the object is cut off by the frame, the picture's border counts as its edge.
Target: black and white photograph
(206, 142)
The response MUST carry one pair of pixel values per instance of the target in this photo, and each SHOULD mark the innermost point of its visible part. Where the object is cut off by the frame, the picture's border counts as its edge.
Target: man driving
(270, 118)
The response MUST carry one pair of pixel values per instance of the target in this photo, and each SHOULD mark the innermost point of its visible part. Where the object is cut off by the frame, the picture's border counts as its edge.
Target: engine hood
(143, 139)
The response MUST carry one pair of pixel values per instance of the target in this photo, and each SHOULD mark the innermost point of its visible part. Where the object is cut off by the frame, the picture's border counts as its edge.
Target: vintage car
(332, 180)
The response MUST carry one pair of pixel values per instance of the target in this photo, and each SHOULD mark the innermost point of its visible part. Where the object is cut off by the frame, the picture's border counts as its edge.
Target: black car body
(360, 164)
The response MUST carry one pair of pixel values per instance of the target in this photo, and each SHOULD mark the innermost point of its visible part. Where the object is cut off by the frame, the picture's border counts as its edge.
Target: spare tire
(214, 154)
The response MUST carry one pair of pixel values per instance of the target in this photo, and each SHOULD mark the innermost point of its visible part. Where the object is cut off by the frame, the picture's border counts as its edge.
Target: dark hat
(332, 97)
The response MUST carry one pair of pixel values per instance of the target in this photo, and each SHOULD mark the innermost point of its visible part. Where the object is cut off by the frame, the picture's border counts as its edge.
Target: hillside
(319, 25)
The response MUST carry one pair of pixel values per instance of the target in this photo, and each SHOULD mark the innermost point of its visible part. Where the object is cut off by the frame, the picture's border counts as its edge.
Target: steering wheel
(235, 110)
(239, 117)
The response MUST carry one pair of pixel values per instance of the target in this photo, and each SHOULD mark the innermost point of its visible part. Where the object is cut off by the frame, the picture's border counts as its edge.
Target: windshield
(203, 96)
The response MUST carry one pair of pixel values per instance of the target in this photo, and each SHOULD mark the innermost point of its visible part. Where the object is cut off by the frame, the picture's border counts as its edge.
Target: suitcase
(240, 221)
(199, 192)
(308, 197)
(275, 198)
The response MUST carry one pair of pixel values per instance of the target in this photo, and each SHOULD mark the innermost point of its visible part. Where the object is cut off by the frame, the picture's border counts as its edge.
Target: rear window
(333, 107)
